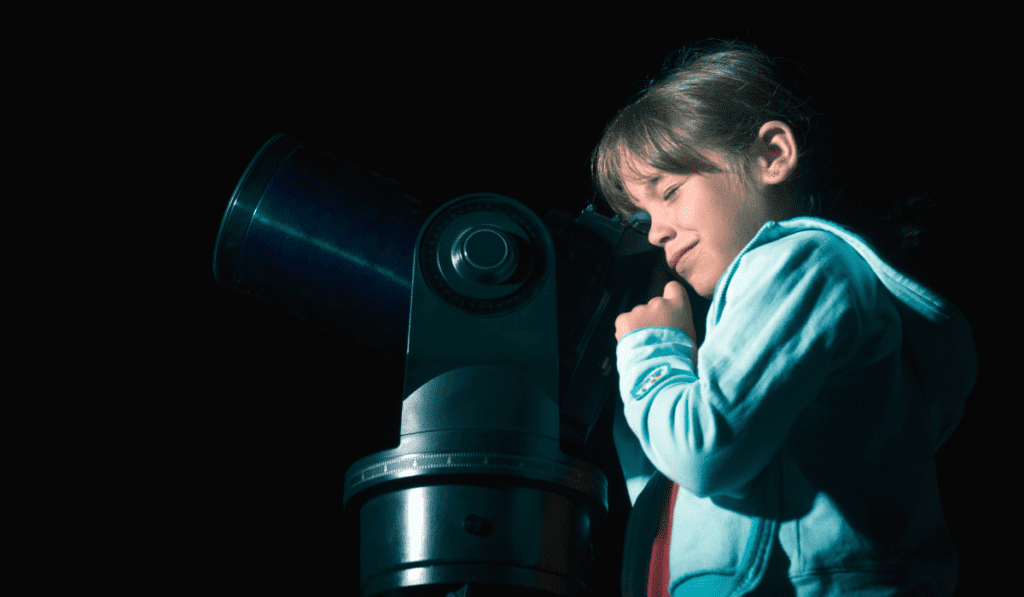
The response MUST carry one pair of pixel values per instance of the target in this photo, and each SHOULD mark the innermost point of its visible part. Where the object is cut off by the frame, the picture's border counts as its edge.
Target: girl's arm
(793, 311)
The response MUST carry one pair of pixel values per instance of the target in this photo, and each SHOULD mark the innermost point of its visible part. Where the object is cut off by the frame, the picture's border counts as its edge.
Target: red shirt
(657, 580)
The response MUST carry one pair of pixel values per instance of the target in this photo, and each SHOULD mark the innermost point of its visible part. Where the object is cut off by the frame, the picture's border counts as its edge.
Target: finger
(674, 292)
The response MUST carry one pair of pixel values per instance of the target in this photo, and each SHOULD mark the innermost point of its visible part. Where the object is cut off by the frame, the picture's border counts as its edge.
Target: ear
(777, 159)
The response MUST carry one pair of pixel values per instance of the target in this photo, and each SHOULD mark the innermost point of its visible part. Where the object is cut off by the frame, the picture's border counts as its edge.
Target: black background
(252, 417)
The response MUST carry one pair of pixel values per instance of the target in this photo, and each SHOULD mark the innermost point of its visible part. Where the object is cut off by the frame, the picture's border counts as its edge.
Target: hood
(936, 334)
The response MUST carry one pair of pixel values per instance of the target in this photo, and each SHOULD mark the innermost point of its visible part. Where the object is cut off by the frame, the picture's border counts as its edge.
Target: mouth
(679, 255)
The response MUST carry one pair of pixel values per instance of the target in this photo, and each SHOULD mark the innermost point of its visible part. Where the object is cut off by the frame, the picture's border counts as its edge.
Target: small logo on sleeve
(649, 381)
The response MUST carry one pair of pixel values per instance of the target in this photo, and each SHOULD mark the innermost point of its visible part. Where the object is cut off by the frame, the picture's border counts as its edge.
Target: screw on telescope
(476, 525)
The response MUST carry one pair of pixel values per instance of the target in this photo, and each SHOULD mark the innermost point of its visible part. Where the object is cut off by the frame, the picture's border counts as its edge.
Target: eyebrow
(651, 183)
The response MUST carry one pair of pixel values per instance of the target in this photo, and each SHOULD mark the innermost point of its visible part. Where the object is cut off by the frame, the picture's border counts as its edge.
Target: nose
(659, 234)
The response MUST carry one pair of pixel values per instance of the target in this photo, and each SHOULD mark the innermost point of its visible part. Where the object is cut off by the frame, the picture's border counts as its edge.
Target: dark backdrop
(258, 415)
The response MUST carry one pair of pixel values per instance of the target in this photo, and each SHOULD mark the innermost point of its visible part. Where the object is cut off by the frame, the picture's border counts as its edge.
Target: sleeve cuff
(647, 357)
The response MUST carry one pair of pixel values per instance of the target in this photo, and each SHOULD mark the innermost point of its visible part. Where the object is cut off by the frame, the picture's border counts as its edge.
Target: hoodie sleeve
(792, 311)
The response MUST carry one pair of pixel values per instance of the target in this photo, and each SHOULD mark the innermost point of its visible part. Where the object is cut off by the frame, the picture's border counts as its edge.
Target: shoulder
(779, 254)
(796, 269)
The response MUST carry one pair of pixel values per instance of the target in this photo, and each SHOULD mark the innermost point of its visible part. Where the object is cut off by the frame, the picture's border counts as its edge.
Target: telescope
(505, 322)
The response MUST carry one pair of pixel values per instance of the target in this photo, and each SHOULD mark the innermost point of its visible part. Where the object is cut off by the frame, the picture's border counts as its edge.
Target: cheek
(687, 211)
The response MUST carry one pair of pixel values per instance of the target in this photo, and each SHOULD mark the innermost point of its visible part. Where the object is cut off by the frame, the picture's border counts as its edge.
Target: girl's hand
(672, 310)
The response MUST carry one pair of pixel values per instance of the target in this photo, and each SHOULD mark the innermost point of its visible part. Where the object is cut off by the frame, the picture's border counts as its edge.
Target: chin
(706, 290)
(701, 289)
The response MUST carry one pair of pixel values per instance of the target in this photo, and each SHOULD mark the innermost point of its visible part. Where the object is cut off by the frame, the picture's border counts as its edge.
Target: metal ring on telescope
(483, 299)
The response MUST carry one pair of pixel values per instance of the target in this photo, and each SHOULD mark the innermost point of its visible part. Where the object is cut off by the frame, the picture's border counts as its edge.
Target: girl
(792, 453)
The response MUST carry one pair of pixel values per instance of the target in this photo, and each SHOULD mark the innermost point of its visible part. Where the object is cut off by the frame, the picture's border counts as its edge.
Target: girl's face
(701, 220)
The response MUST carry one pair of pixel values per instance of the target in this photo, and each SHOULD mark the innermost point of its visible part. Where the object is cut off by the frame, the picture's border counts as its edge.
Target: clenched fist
(672, 310)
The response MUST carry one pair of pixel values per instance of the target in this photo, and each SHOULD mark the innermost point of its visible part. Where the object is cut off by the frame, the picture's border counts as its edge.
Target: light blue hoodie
(825, 384)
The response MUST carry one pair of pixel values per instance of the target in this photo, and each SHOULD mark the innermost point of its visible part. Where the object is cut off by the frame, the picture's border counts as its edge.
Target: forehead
(636, 171)
(639, 179)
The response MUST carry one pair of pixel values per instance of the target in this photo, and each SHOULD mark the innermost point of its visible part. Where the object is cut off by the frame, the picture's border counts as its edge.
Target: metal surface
(323, 240)
(478, 490)
(498, 534)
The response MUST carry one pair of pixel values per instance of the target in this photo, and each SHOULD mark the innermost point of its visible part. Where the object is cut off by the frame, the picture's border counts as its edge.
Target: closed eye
(670, 193)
